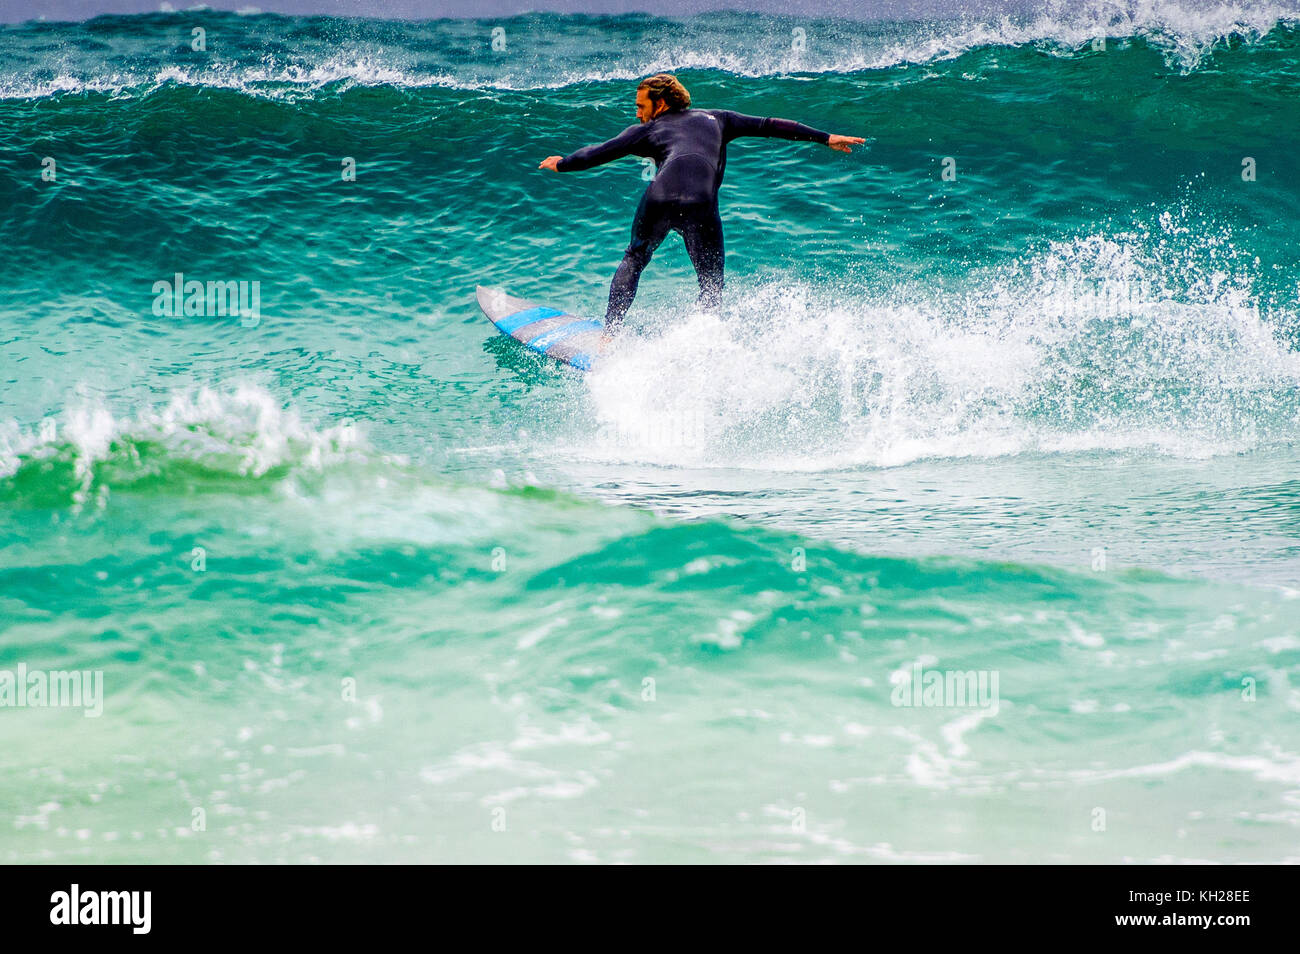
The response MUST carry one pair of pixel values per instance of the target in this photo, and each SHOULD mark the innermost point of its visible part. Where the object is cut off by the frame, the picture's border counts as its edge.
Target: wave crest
(748, 45)
(241, 431)
(1143, 338)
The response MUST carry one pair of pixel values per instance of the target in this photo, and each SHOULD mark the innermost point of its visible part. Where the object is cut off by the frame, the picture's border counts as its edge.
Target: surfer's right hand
(550, 162)
(842, 143)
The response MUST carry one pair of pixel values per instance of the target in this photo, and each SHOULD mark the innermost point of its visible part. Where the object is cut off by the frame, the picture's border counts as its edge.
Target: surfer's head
(658, 94)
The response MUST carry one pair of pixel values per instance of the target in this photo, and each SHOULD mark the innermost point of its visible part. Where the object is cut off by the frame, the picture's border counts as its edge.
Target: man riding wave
(689, 147)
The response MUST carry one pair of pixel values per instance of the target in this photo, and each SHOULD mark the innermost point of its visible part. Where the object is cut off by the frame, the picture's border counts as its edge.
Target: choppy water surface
(367, 582)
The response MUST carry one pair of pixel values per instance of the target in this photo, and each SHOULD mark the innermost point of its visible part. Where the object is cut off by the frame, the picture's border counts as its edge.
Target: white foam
(1185, 31)
(242, 427)
(1041, 356)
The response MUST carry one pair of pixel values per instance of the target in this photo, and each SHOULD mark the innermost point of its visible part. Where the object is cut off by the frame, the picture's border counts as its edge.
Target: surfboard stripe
(585, 343)
(544, 330)
(512, 323)
(536, 329)
(544, 342)
(578, 357)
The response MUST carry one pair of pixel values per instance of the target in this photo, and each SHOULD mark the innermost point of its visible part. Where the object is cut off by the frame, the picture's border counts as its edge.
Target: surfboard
(550, 331)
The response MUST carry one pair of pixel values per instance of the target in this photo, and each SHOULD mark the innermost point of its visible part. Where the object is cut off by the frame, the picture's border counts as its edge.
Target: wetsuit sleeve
(738, 124)
(625, 143)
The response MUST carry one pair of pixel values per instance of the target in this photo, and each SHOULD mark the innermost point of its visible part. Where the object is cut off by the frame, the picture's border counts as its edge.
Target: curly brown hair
(665, 86)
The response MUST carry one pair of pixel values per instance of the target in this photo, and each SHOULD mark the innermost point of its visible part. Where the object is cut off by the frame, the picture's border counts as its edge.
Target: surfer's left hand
(842, 143)
(550, 162)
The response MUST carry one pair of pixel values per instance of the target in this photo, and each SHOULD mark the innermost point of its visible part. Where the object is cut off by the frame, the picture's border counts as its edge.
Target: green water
(367, 582)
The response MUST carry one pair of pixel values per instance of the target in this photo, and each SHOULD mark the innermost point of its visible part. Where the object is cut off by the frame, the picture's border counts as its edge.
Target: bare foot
(605, 342)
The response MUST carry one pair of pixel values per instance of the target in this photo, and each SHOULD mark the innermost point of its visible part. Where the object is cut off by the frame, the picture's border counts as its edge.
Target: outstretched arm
(738, 124)
(624, 144)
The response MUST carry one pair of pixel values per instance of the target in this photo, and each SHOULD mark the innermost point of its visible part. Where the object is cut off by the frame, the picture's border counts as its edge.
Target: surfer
(689, 147)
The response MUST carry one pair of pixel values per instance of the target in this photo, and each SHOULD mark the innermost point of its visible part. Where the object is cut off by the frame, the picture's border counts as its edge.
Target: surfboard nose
(497, 302)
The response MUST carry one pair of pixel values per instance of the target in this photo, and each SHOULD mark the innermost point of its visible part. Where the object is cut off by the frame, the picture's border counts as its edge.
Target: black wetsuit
(689, 147)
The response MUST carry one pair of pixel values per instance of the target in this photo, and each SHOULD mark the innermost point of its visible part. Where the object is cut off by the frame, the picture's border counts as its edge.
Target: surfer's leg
(648, 230)
(703, 237)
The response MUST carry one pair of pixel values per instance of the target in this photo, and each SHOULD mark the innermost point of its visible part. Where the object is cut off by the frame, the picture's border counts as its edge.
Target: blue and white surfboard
(550, 331)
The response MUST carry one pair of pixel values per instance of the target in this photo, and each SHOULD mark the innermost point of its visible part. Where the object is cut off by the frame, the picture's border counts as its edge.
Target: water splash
(1140, 338)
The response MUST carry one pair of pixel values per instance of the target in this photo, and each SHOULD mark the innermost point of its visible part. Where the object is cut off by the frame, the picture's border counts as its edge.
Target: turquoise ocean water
(367, 582)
